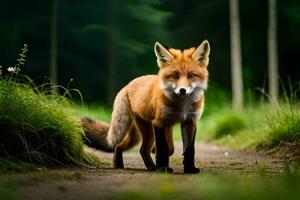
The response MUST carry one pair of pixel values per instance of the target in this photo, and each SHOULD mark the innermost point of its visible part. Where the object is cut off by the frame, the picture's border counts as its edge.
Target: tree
(236, 56)
(133, 27)
(272, 53)
(112, 56)
(53, 45)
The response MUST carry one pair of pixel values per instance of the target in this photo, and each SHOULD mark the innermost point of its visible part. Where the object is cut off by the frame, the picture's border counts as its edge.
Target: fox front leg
(162, 150)
(188, 132)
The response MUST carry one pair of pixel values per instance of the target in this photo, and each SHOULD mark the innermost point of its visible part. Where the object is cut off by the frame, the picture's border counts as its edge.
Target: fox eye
(191, 75)
(174, 76)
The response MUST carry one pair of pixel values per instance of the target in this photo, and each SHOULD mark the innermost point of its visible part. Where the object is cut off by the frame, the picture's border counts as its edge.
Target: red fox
(150, 105)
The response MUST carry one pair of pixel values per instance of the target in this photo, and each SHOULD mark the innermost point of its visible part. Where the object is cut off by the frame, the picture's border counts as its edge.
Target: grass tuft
(229, 124)
(15, 166)
(39, 128)
(284, 126)
(224, 123)
(255, 127)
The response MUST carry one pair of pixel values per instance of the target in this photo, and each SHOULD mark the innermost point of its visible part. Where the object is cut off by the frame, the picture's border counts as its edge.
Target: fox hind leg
(118, 157)
(146, 130)
(132, 138)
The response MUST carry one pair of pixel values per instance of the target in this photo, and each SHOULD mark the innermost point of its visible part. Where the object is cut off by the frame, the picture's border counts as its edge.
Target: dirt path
(210, 158)
(95, 183)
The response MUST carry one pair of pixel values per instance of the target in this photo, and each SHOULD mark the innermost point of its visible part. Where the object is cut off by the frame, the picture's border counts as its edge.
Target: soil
(99, 183)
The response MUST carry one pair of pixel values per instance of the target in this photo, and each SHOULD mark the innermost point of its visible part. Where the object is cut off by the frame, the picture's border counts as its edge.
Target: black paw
(170, 170)
(164, 169)
(118, 167)
(151, 167)
(191, 170)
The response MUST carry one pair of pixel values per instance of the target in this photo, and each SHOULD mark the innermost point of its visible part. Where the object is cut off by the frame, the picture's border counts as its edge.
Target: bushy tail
(106, 136)
(96, 134)
(121, 119)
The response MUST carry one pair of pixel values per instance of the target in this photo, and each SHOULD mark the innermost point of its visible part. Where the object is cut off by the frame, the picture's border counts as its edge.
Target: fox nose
(182, 91)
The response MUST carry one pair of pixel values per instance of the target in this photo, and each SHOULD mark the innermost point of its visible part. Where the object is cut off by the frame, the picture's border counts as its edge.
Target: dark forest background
(103, 44)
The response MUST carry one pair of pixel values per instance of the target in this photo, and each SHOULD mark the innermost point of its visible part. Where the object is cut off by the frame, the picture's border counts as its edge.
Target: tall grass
(284, 126)
(252, 127)
(37, 127)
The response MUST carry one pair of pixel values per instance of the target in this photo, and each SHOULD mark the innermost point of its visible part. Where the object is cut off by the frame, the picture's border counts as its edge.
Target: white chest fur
(182, 111)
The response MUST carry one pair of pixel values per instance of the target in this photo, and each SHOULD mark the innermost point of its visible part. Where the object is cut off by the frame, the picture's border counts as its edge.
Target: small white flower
(12, 69)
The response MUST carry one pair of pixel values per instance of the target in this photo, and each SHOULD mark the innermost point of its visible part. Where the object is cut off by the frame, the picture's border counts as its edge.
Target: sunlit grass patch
(209, 186)
(94, 111)
(227, 123)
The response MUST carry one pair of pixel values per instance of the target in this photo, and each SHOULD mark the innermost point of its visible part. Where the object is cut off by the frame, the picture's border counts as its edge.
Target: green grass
(16, 166)
(253, 127)
(39, 128)
(220, 187)
(226, 123)
(284, 126)
(9, 188)
(222, 124)
(36, 127)
(94, 111)
(225, 186)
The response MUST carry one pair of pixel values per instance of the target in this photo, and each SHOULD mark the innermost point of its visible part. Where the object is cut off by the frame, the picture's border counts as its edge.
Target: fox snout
(183, 91)
(188, 90)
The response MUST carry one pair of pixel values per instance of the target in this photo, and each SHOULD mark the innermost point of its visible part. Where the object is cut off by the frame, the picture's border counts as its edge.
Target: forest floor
(134, 182)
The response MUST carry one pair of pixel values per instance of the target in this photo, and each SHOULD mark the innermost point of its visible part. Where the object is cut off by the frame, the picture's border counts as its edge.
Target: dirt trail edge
(96, 183)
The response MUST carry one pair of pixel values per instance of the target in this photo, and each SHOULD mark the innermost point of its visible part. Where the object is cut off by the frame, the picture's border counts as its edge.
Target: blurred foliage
(84, 39)
(229, 125)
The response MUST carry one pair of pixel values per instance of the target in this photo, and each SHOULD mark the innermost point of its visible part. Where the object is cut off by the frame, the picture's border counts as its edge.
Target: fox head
(183, 73)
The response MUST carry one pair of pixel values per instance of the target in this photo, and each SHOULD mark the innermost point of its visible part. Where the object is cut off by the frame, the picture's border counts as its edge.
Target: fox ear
(201, 54)
(162, 54)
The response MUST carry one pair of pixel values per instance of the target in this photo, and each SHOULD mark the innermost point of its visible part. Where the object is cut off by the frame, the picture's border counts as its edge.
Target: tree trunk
(112, 54)
(272, 53)
(236, 57)
(53, 45)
